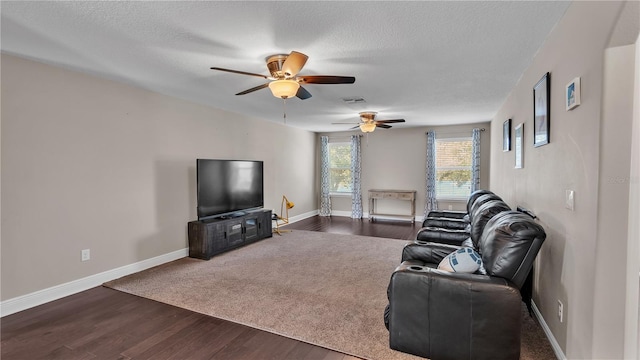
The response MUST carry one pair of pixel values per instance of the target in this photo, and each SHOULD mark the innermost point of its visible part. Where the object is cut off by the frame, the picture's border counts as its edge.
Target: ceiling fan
(285, 81)
(368, 123)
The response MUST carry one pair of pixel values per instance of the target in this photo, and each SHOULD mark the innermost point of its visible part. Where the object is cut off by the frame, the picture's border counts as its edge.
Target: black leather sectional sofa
(451, 315)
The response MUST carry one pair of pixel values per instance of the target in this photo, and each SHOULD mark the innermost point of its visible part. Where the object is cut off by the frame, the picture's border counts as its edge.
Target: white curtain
(475, 159)
(430, 199)
(356, 189)
(325, 199)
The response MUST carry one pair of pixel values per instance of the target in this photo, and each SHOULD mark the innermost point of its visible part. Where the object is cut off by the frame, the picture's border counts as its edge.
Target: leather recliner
(447, 315)
(460, 218)
(433, 233)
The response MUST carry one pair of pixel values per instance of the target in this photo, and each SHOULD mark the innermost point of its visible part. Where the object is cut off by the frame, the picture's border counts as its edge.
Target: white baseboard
(306, 215)
(341, 213)
(554, 343)
(40, 297)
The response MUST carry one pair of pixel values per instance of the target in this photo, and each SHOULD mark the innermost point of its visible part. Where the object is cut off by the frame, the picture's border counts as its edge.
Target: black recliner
(455, 219)
(433, 230)
(447, 315)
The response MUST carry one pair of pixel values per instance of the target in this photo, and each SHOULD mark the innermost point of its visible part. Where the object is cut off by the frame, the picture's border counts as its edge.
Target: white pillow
(464, 260)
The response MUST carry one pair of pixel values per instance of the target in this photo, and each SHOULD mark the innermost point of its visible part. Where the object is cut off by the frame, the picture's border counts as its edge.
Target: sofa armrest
(443, 236)
(443, 315)
(427, 252)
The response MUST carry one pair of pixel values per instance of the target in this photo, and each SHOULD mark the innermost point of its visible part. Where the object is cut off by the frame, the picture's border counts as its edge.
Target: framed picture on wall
(572, 94)
(518, 146)
(541, 111)
(506, 135)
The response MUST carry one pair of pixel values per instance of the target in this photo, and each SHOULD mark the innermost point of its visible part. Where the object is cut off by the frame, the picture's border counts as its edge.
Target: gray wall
(632, 342)
(396, 159)
(89, 163)
(580, 264)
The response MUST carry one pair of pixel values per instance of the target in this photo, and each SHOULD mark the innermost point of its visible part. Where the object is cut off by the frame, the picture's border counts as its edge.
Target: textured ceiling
(431, 63)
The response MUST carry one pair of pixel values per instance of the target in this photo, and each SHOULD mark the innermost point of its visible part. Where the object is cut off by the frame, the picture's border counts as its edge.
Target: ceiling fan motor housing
(274, 64)
(368, 116)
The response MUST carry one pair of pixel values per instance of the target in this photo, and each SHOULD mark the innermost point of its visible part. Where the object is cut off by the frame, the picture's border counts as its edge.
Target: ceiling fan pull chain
(284, 110)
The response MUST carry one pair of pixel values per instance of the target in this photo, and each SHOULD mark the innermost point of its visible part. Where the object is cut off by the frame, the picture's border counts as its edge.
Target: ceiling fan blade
(294, 63)
(303, 94)
(390, 121)
(343, 123)
(383, 126)
(326, 79)
(240, 72)
(355, 127)
(253, 89)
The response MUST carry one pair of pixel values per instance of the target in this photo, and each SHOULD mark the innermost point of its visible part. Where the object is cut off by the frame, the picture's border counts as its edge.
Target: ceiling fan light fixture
(284, 88)
(367, 127)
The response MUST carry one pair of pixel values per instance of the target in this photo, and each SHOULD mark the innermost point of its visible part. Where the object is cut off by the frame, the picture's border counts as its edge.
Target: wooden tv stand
(214, 236)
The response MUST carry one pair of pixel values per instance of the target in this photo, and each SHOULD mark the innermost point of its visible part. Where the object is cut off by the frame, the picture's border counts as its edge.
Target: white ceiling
(431, 63)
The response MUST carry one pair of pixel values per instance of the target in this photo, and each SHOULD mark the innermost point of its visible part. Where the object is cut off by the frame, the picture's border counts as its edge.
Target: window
(340, 167)
(453, 168)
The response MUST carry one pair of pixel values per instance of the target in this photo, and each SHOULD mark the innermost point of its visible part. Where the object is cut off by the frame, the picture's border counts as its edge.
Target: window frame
(340, 193)
(449, 197)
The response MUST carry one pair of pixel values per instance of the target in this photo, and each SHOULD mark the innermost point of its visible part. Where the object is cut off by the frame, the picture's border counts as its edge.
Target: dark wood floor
(102, 323)
(403, 230)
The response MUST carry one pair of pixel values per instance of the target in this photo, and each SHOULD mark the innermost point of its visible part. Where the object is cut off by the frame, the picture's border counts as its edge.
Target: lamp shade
(367, 127)
(284, 88)
(290, 204)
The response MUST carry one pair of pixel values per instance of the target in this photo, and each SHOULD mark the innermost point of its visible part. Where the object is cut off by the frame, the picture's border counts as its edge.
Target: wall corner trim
(554, 343)
(24, 302)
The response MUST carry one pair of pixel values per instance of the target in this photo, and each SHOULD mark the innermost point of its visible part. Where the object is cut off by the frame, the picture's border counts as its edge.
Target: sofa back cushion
(481, 217)
(509, 244)
(475, 195)
(479, 201)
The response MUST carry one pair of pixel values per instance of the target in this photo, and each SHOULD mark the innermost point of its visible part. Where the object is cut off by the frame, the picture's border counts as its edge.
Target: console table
(407, 195)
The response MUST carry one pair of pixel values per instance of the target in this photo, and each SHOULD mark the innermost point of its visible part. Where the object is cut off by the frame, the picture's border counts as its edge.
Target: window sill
(451, 199)
(340, 194)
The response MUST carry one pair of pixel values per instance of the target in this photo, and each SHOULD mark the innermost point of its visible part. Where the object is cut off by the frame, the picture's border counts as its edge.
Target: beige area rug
(320, 288)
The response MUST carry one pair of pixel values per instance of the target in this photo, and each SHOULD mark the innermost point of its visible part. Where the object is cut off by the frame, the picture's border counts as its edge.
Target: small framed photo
(541, 111)
(506, 135)
(518, 146)
(572, 94)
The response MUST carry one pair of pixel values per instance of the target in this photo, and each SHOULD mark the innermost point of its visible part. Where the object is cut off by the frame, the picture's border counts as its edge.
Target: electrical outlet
(450, 207)
(86, 254)
(560, 311)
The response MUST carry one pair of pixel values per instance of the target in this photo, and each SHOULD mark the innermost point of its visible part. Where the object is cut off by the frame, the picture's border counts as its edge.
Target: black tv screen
(228, 186)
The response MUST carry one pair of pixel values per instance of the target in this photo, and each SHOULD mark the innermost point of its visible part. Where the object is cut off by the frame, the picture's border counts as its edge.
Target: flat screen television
(228, 187)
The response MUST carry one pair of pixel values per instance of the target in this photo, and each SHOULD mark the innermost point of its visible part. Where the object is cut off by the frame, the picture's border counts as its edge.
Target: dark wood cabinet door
(234, 232)
(251, 228)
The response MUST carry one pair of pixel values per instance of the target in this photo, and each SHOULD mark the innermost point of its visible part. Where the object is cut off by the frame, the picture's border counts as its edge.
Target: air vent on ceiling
(354, 100)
